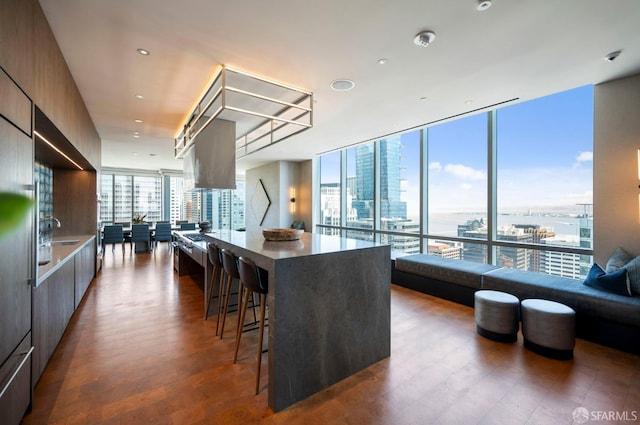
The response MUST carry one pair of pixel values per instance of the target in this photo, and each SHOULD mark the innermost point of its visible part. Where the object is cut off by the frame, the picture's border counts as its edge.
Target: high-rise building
(557, 263)
(445, 250)
(391, 205)
(538, 234)
(506, 256)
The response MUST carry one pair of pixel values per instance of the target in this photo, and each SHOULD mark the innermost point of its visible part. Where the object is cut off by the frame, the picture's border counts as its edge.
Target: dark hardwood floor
(138, 351)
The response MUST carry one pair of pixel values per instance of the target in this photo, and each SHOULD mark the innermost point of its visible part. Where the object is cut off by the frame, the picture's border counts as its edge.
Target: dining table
(328, 308)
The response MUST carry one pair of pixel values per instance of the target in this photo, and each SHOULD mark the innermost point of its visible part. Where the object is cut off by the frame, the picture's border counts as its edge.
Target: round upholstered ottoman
(549, 328)
(497, 315)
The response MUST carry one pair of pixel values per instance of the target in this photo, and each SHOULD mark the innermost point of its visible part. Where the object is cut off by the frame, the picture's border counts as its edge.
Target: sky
(541, 143)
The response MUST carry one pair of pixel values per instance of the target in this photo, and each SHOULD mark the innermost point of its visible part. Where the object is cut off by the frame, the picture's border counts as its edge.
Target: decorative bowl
(283, 234)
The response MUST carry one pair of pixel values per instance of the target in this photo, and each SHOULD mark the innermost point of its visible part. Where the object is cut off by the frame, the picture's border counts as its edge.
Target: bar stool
(216, 263)
(230, 266)
(254, 280)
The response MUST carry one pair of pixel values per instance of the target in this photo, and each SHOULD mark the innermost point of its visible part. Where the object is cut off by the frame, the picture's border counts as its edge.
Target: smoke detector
(612, 56)
(424, 38)
(483, 5)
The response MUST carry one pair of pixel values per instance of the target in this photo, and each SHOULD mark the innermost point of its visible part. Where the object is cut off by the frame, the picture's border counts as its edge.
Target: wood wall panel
(78, 216)
(30, 55)
(17, 41)
(15, 105)
(58, 96)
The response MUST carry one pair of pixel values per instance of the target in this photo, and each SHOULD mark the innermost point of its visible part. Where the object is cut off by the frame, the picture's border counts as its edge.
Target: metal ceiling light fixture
(264, 111)
(424, 38)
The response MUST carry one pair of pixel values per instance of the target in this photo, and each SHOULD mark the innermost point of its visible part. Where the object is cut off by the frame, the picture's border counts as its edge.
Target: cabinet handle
(15, 373)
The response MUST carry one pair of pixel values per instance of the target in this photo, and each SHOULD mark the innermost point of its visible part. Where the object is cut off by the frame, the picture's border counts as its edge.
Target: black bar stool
(216, 263)
(254, 280)
(230, 266)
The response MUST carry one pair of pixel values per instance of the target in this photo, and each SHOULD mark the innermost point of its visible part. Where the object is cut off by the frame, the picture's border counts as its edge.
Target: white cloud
(464, 172)
(466, 186)
(435, 166)
(585, 157)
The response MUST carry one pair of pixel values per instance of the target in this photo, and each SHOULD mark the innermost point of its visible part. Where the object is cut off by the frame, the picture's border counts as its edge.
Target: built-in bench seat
(454, 280)
(601, 317)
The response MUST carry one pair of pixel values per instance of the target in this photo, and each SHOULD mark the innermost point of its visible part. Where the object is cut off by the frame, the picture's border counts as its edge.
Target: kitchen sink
(65, 242)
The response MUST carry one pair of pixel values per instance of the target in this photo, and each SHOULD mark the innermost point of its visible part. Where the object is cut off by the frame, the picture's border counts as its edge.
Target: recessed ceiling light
(136, 132)
(342, 84)
(143, 52)
(382, 61)
(136, 136)
(153, 154)
(468, 102)
(483, 5)
(138, 121)
(423, 98)
(139, 96)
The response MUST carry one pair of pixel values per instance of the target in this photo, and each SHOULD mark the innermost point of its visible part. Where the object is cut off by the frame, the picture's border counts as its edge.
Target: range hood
(263, 112)
(210, 161)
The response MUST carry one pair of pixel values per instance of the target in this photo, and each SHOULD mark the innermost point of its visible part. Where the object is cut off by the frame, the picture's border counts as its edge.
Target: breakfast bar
(329, 308)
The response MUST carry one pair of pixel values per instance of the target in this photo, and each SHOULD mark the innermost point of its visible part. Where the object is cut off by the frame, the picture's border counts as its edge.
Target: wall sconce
(638, 165)
(292, 199)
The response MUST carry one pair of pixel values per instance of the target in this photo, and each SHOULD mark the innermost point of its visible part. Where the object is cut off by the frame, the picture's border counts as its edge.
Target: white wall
(616, 200)
(282, 181)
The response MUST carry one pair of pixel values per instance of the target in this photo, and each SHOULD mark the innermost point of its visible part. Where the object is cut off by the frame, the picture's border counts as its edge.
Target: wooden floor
(139, 352)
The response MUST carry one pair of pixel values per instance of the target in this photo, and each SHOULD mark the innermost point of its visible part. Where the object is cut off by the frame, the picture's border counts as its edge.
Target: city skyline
(537, 147)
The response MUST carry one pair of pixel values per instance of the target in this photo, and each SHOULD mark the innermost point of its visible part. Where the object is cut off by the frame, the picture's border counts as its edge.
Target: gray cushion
(583, 299)
(617, 261)
(460, 272)
(633, 272)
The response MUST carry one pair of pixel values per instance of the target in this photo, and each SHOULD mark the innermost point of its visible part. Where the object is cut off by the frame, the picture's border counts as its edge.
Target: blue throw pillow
(615, 283)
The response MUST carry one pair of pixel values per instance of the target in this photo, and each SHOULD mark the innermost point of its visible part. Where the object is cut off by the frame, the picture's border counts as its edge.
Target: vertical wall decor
(260, 202)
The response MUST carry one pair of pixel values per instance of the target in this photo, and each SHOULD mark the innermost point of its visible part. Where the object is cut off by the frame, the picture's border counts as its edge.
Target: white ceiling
(516, 49)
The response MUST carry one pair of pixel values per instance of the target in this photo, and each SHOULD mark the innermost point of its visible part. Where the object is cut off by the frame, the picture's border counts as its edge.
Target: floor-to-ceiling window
(126, 196)
(456, 166)
(545, 181)
(512, 187)
(331, 195)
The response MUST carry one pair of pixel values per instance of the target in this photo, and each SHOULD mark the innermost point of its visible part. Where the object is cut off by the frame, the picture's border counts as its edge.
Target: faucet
(51, 218)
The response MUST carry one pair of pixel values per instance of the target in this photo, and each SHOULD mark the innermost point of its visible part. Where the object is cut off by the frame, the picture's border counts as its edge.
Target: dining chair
(113, 235)
(126, 228)
(140, 233)
(163, 233)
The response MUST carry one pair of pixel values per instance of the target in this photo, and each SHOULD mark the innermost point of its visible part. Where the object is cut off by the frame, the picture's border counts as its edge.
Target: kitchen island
(329, 308)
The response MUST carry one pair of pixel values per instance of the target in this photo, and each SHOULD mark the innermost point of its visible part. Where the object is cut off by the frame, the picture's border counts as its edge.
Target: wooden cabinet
(53, 305)
(15, 105)
(16, 251)
(85, 263)
(16, 393)
(55, 300)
